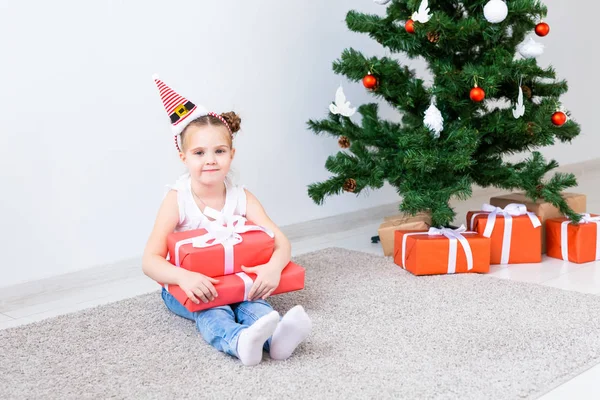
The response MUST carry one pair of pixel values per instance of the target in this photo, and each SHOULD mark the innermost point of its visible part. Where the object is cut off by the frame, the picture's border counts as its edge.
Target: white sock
(293, 328)
(251, 340)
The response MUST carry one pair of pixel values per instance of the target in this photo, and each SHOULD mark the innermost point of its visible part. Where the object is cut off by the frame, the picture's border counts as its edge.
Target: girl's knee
(175, 306)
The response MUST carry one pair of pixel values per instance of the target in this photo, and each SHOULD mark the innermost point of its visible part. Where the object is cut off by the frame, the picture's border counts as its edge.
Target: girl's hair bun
(233, 120)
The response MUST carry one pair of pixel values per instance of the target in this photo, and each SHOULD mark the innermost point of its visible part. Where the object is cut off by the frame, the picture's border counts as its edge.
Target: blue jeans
(221, 326)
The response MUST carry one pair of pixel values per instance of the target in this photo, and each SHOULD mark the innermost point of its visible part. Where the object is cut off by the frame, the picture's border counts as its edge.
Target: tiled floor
(52, 301)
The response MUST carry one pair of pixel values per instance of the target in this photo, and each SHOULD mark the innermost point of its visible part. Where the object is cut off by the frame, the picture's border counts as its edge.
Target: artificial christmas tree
(455, 131)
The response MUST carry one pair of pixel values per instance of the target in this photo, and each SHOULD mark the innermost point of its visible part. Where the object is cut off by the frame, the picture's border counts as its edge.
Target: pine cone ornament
(350, 185)
(527, 91)
(344, 142)
(433, 37)
(530, 126)
(539, 189)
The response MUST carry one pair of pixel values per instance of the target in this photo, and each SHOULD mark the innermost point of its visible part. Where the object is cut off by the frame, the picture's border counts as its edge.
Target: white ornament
(519, 109)
(341, 106)
(529, 48)
(382, 2)
(495, 11)
(422, 15)
(434, 120)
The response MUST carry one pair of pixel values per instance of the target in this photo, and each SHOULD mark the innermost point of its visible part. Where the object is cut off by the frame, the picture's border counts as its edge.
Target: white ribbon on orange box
(455, 236)
(511, 210)
(227, 236)
(564, 238)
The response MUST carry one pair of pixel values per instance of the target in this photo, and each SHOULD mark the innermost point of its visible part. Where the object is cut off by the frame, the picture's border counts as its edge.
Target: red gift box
(221, 250)
(235, 288)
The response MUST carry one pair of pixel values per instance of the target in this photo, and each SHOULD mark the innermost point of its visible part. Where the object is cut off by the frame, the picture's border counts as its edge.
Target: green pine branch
(461, 48)
(400, 88)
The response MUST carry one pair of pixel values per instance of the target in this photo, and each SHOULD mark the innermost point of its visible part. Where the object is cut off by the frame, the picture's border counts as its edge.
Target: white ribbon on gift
(564, 238)
(455, 236)
(511, 210)
(248, 282)
(227, 236)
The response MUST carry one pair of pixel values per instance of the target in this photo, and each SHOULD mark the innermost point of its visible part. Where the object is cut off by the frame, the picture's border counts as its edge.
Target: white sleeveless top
(190, 216)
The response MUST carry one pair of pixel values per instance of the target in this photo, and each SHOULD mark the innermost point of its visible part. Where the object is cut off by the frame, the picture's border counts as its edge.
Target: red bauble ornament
(477, 94)
(410, 26)
(559, 118)
(370, 82)
(542, 29)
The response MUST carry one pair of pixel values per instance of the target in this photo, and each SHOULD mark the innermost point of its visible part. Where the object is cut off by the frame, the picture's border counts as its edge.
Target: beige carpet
(379, 332)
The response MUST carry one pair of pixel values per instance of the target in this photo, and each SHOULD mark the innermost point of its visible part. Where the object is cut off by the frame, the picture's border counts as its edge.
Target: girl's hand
(200, 286)
(267, 280)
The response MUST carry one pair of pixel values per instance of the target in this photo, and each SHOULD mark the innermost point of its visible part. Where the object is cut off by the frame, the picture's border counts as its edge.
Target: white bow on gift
(227, 235)
(455, 236)
(564, 237)
(511, 210)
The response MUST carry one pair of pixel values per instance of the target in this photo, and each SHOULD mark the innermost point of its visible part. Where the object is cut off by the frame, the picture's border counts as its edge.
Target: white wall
(86, 149)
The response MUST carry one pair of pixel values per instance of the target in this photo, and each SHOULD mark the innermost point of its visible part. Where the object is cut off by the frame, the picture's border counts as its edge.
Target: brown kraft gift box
(406, 222)
(541, 208)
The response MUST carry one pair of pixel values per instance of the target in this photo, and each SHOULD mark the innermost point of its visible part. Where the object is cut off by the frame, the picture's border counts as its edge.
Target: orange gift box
(235, 288)
(575, 243)
(541, 208)
(422, 253)
(515, 239)
(221, 250)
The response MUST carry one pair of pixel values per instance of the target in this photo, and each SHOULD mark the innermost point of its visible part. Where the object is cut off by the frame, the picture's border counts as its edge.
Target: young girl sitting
(204, 142)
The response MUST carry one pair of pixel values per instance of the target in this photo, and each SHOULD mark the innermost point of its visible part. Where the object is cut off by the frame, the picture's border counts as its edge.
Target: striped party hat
(180, 110)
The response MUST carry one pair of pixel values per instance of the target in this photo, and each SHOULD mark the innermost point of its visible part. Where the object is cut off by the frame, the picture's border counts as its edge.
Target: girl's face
(208, 154)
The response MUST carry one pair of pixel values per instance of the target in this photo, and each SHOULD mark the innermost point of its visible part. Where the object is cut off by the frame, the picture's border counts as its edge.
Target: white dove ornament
(434, 120)
(422, 15)
(519, 109)
(341, 106)
(529, 48)
(382, 2)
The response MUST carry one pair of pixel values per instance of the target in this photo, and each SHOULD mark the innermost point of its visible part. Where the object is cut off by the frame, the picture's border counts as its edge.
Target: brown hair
(232, 119)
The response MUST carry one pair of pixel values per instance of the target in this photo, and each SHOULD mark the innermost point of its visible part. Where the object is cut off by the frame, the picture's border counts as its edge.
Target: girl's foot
(251, 340)
(293, 328)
